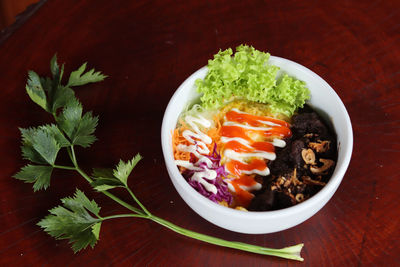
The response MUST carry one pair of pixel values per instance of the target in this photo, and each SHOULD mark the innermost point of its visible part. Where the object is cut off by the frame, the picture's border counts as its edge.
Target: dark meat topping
(302, 167)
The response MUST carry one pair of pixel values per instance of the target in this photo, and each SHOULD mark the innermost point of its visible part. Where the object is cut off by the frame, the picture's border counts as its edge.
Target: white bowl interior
(323, 99)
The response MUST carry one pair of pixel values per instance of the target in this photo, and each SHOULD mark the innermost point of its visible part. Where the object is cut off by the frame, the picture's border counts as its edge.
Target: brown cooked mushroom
(308, 156)
(309, 135)
(299, 197)
(327, 163)
(295, 181)
(281, 180)
(320, 147)
(308, 180)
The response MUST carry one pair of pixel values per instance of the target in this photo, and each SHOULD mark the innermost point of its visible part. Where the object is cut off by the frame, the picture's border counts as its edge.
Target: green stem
(123, 203)
(71, 153)
(137, 201)
(84, 175)
(73, 156)
(64, 167)
(124, 216)
(113, 197)
(288, 252)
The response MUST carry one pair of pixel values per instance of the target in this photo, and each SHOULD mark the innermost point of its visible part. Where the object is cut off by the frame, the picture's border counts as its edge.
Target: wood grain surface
(148, 48)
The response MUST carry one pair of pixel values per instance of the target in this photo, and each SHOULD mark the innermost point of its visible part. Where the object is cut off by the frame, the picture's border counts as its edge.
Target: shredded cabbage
(248, 75)
(223, 193)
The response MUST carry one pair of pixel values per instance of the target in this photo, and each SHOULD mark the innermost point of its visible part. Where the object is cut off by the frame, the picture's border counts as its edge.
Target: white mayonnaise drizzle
(264, 172)
(244, 142)
(187, 165)
(199, 149)
(193, 121)
(256, 186)
(248, 127)
(279, 142)
(233, 155)
(229, 153)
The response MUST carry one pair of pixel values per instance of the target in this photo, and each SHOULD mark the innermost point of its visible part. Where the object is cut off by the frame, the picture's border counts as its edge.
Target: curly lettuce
(247, 75)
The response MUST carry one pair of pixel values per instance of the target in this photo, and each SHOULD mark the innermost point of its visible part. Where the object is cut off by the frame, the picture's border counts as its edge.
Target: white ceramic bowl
(323, 99)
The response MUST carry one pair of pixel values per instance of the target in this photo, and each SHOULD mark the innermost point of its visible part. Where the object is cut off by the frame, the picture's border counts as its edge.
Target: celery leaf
(78, 77)
(84, 134)
(124, 169)
(35, 90)
(46, 145)
(37, 174)
(74, 221)
(41, 145)
(28, 151)
(78, 128)
(105, 179)
(50, 94)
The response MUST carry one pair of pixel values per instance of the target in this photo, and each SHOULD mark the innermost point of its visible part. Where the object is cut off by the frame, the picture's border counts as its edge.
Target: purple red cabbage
(223, 193)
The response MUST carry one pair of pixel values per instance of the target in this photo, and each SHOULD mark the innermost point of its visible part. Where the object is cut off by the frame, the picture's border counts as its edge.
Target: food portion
(302, 167)
(251, 143)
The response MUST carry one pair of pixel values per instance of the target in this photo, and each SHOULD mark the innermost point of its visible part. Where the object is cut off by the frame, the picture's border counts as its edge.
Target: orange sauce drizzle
(237, 167)
(252, 120)
(243, 197)
(280, 129)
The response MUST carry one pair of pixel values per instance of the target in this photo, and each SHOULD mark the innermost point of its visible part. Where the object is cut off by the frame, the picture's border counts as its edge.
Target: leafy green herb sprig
(78, 219)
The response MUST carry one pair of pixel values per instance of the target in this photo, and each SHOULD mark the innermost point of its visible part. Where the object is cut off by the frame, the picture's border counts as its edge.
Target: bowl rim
(332, 185)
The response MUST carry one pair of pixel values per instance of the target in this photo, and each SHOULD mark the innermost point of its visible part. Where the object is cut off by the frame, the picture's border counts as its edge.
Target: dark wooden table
(148, 48)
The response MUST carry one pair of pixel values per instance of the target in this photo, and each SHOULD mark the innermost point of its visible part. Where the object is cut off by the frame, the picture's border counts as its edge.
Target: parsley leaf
(124, 169)
(50, 94)
(56, 134)
(55, 68)
(96, 230)
(76, 78)
(46, 145)
(102, 172)
(62, 96)
(105, 179)
(35, 90)
(74, 221)
(84, 133)
(70, 117)
(78, 128)
(41, 145)
(37, 174)
(28, 152)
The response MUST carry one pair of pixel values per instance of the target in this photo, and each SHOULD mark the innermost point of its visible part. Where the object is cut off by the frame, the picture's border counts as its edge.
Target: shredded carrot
(177, 139)
(214, 134)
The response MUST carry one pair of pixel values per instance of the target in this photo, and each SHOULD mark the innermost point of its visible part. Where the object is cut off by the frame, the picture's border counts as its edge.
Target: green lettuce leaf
(247, 75)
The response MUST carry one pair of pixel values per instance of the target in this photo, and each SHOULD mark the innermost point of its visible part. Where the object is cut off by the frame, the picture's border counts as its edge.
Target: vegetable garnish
(248, 75)
(78, 219)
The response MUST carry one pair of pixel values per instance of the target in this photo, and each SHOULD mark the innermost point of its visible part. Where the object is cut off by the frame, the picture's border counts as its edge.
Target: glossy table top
(147, 49)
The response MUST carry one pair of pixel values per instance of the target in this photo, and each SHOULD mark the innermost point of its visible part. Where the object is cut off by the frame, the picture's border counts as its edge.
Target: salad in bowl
(251, 138)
